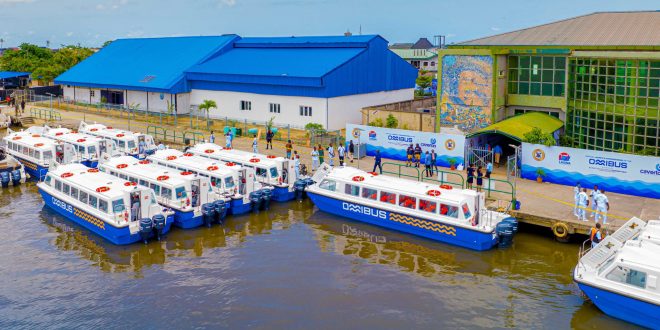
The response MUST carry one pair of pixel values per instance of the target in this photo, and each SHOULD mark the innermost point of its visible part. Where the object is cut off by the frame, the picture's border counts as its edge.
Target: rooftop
(415, 54)
(633, 28)
(516, 127)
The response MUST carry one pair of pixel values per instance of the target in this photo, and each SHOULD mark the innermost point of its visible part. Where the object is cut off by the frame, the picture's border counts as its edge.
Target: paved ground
(542, 204)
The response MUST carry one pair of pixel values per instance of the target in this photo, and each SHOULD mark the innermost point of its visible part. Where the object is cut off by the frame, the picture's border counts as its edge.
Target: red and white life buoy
(271, 156)
(433, 193)
(128, 184)
(187, 154)
(212, 168)
(36, 135)
(37, 145)
(209, 151)
(186, 173)
(162, 178)
(80, 140)
(171, 157)
(254, 160)
(120, 135)
(230, 164)
(144, 162)
(109, 127)
(59, 134)
(93, 170)
(102, 189)
(358, 178)
(120, 166)
(446, 186)
(66, 174)
(93, 129)
(16, 138)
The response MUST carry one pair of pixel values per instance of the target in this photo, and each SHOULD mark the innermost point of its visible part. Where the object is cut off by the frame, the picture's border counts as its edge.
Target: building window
(426, 63)
(537, 75)
(91, 93)
(246, 105)
(432, 63)
(305, 111)
(274, 107)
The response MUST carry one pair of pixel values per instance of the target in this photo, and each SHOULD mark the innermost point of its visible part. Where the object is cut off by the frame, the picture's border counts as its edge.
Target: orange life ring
(212, 168)
(37, 145)
(120, 135)
(230, 164)
(80, 140)
(66, 174)
(254, 160)
(16, 138)
(102, 189)
(59, 133)
(226, 148)
(122, 166)
(93, 170)
(187, 154)
(171, 157)
(93, 129)
(36, 135)
(271, 156)
(129, 183)
(209, 151)
(433, 192)
(358, 178)
(143, 162)
(162, 178)
(109, 127)
(446, 186)
(186, 173)
(373, 173)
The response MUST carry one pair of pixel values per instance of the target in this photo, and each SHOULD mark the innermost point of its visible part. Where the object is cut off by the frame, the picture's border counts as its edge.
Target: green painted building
(599, 73)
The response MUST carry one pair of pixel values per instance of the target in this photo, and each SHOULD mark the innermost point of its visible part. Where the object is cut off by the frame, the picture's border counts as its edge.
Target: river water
(290, 267)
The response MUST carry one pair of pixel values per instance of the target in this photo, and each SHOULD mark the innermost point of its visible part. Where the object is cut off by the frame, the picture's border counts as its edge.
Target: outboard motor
(159, 225)
(299, 188)
(504, 232)
(514, 223)
(16, 177)
(4, 179)
(256, 200)
(220, 207)
(146, 227)
(208, 214)
(265, 198)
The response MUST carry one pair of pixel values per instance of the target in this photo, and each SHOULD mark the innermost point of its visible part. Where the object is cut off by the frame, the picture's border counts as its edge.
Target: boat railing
(42, 174)
(399, 173)
(445, 177)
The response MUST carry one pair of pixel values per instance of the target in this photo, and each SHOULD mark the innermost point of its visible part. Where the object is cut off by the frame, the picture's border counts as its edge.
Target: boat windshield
(47, 155)
(274, 173)
(229, 182)
(118, 206)
(91, 150)
(131, 144)
(180, 192)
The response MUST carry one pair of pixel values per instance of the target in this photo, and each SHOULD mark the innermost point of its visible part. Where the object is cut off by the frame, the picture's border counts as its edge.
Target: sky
(92, 22)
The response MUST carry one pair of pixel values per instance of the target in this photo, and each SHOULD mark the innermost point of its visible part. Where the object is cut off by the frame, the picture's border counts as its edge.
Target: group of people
(597, 199)
(415, 157)
(479, 174)
(318, 154)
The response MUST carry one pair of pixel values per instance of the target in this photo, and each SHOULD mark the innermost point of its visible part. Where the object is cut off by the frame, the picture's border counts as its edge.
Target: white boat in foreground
(440, 213)
(11, 170)
(620, 275)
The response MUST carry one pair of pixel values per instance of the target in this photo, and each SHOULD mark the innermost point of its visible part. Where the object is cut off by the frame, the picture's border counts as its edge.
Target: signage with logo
(614, 172)
(393, 143)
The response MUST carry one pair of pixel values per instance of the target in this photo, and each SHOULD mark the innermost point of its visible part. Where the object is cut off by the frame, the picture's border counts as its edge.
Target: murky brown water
(291, 267)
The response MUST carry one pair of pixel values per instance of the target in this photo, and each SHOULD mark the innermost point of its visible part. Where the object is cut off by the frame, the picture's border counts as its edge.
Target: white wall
(81, 94)
(346, 109)
(156, 104)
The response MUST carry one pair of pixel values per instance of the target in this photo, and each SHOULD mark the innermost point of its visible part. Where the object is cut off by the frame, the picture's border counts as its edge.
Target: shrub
(537, 136)
(391, 122)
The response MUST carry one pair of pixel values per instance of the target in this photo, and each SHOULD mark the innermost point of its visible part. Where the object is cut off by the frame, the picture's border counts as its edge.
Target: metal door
(478, 157)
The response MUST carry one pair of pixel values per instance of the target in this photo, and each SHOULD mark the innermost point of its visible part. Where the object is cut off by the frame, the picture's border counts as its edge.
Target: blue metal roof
(316, 42)
(146, 64)
(12, 74)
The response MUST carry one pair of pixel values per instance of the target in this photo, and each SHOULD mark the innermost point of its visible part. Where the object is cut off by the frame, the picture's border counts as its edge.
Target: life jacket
(593, 237)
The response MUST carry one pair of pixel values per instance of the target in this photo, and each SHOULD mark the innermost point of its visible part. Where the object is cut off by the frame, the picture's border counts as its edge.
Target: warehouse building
(297, 80)
(598, 73)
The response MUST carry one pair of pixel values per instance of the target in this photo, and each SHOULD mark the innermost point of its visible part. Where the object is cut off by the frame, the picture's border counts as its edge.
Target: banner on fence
(611, 171)
(393, 143)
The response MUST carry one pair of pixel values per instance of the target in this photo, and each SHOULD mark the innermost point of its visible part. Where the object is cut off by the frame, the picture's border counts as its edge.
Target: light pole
(51, 100)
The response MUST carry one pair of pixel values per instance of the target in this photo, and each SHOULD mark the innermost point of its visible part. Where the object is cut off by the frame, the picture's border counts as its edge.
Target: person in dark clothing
(409, 154)
(351, 150)
(23, 106)
(470, 176)
(434, 162)
(418, 155)
(480, 178)
(269, 139)
(378, 162)
(427, 164)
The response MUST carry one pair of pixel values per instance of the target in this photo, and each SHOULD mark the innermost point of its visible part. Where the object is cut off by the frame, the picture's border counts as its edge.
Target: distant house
(421, 54)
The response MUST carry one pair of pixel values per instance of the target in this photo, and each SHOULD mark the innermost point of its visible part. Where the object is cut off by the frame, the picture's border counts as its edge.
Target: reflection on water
(289, 267)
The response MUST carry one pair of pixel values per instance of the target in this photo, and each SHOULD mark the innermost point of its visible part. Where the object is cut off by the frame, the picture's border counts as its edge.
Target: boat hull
(119, 236)
(34, 170)
(187, 220)
(433, 230)
(622, 307)
(282, 194)
(237, 207)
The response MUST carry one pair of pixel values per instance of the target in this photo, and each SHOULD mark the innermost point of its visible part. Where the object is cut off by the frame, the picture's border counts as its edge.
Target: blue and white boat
(440, 213)
(270, 170)
(100, 203)
(227, 179)
(620, 275)
(187, 194)
(11, 170)
(88, 147)
(127, 142)
(34, 151)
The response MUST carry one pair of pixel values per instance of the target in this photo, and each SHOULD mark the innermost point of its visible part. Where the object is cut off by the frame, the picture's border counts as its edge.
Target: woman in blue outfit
(470, 176)
(480, 178)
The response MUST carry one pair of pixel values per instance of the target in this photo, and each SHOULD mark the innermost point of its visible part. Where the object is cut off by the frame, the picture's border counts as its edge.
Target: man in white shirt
(603, 206)
(576, 192)
(331, 155)
(255, 145)
(583, 202)
(592, 200)
(341, 151)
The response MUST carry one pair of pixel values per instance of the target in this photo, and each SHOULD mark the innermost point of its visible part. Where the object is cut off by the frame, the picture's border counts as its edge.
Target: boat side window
(48, 178)
(103, 205)
(449, 210)
(229, 182)
(144, 183)
(81, 150)
(31, 152)
(180, 192)
(629, 276)
(83, 197)
(273, 173)
(156, 188)
(74, 192)
(466, 211)
(166, 192)
(215, 182)
(352, 190)
(25, 150)
(261, 172)
(121, 144)
(93, 201)
(171, 166)
(65, 188)
(118, 206)
(388, 197)
(407, 201)
(131, 179)
(369, 193)
(91, 150)
(328, 185)
(131, 144)
(123, 176)
(427, 206)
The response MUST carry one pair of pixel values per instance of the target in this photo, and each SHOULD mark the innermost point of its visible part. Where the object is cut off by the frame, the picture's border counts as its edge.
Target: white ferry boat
(440, 213)
(227, 179)
(620, 275)
(189, 195)
(36, 152)
(270, 170)
(127, 142)
(100, 203)
(11, 170)
(88, 147)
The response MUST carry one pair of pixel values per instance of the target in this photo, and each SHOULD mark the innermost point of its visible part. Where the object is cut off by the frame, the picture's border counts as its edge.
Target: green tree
(391, 122)
(537, 136)
(314, 129)
(44, 64)
(424, 81)
(106, 43)
(206, 106)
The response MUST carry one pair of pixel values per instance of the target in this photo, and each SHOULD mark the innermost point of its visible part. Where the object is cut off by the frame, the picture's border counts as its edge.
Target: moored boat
(440, 213)
(187, 194)
(620, 274)
(88, 147)
(34, 151)
(11, 170)
(128, 143)
(100, 203)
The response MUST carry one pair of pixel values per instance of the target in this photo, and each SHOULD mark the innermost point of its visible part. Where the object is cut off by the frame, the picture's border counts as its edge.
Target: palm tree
(206, 106)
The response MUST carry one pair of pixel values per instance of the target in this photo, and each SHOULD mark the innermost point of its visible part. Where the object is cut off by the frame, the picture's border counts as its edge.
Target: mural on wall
(466, 90)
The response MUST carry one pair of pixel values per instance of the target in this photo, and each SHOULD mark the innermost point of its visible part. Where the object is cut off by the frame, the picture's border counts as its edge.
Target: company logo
(400, 138)
(657, 167)
(64, 206)
(610, 163)
(364, 210)
(356, 132)
(564, 158)
(450, 144)
(538, 155)
(372, 135)
(431, 143)
(652, 172)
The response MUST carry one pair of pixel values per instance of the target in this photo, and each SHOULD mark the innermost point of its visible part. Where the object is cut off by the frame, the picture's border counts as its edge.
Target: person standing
(603, 206)
(595, 235)
(297, 166)
(341, 151)
(497, 152)
(480, 178)
(576, 194)
(321, 152)
(228, 140)
(212, 138)
(378, 162)
(427, 164)
(489, 169)
(470, 175)
(161, 146)
(269, 139)
(351, 150)
(592, 199)
(23, 106)
(434, 162)
(289, 148)
(418, 155)
(231, 138)
(331, 155)
(255, 145)
(315, 159)
(409, 155)
(583, 202)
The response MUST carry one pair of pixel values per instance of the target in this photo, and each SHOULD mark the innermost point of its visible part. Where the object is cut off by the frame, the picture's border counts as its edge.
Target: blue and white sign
(615, 172)
(393, 143)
